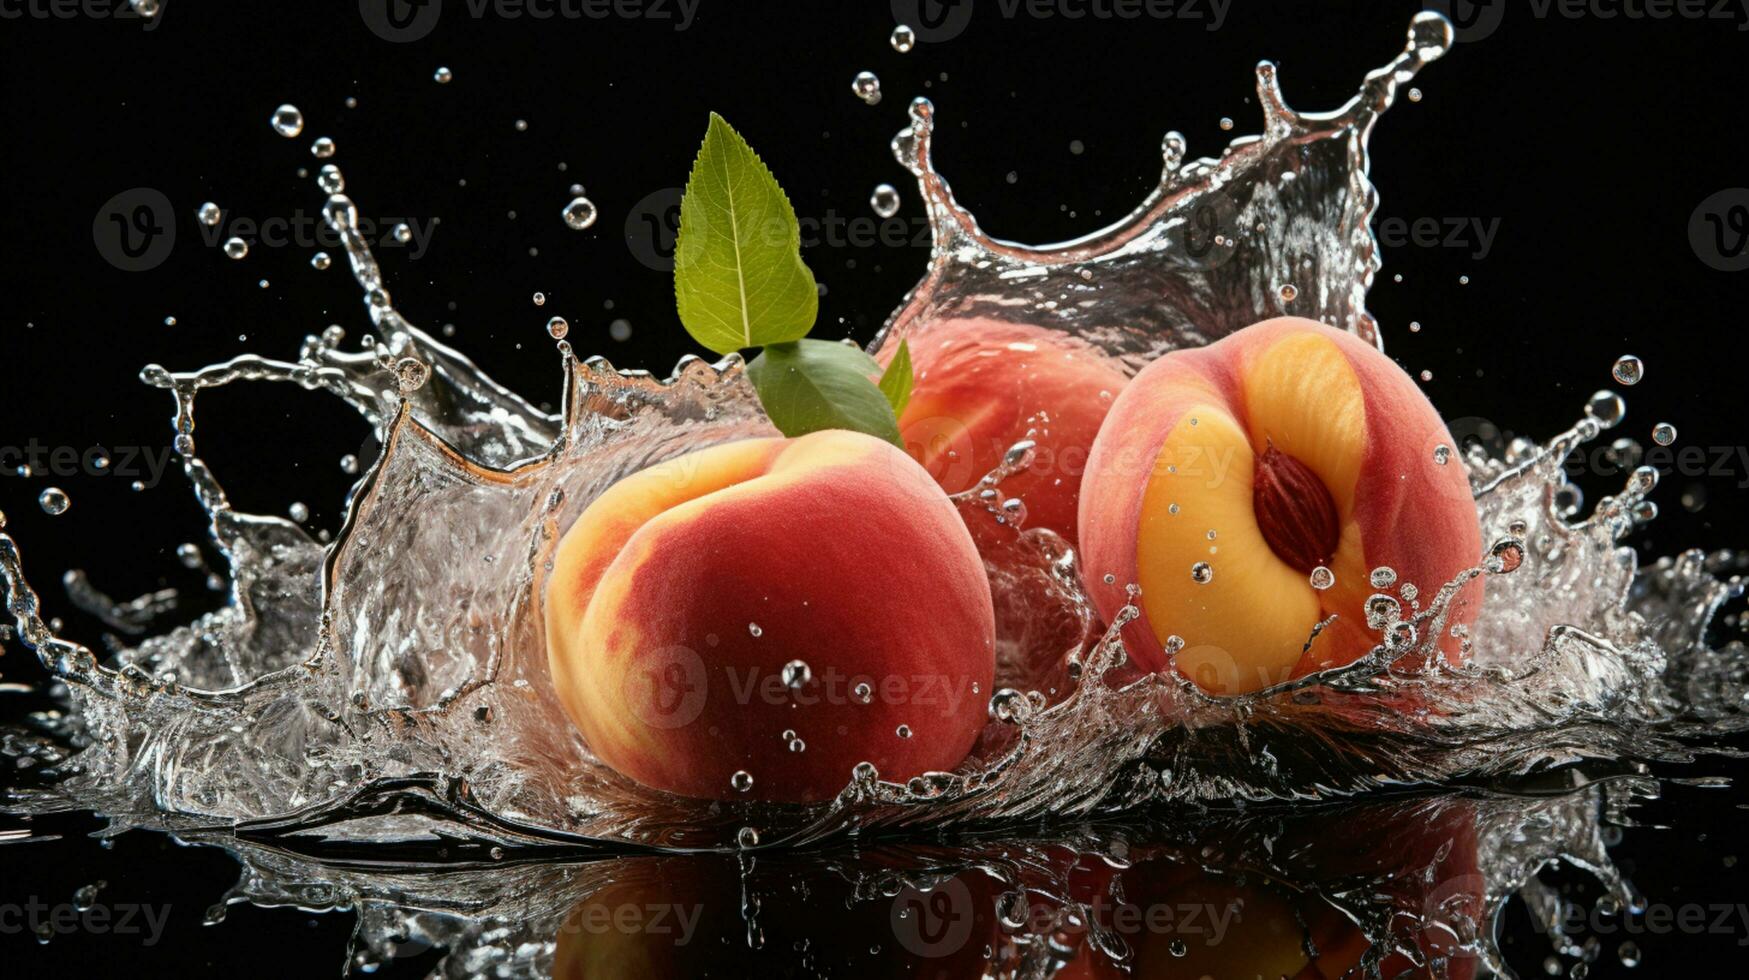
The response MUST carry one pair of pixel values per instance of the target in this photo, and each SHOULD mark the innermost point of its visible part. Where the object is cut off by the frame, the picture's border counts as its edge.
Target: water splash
(400, 670)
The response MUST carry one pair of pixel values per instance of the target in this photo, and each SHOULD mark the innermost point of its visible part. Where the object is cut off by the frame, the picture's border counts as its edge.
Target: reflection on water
(1411, 886)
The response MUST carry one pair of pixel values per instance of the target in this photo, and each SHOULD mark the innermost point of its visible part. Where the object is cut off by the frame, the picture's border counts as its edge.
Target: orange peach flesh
(681, 593)
(1171, 503)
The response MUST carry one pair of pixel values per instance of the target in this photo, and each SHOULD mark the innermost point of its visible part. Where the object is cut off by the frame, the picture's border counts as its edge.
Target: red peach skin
(680, 594)
(1281, 447)
(983, 385)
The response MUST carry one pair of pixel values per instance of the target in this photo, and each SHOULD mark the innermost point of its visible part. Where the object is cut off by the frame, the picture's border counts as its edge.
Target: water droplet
(170, 321)
(1607, 408)
(54, 501)
(795, 674)
(1506, 555)
(210, 214)
(443, 76)
(1414, 95)
(402, 233)
(884, 200)
(323, 148)
(299, 511)
(320, 261)
(288, 121)
(1288, 292)
(1568, 500)
(747, 837)
(867, 87)
(540, 299)
(330, 180)
(756, 630)
(1322, 578)
(1202, 573)
(1382, 610)
(1426, 375)
(236, 248)
(862, 692)
(1076, 147)
(1174, 643)
(86, 896)
(1663, 433)
(411, 373)
(1629, 952)
(1628, 369)
(1383, 577)
(1442, 454)
(741, 781)
(349, 464)
(797, 745)
(903, 731)
(620, 330)
(1226, 123)
(903, 39)
(557, 328)
(579, 214)
(189, 555)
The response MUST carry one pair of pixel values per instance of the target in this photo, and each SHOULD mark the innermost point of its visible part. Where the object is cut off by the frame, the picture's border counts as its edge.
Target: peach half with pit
(756, 619)
(1257, 487)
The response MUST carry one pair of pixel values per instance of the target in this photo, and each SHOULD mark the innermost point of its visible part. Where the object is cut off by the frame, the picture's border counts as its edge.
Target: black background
(1591, 139)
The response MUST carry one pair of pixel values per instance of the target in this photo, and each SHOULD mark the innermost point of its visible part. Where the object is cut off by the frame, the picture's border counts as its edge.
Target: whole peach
(984, 385)
(1252, 487)
(753, 620)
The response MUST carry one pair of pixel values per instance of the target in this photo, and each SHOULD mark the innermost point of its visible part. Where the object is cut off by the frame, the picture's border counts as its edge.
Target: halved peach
(1253, 486)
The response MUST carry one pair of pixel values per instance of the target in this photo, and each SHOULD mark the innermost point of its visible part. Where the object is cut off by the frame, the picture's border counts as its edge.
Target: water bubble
(1568, 499)
(1382, 610)
(1383, 577)
(797, 745)
(349, 464)
(1629, 952)
(146, 8)
(1174, 643)
(1628, 369)
(1226, 123)
(1202, 573)
(1288, 292)
(209, 214)
(189, 555)
(411, 373)
(741, 781)
(903, 731)
(299, 511)
(288, 121)
(1442, 454)
(1506, 555)
(522, 125)
(1607, 408)
(1076, 147)
(756, 630)
(1426, 375)
(863, 693)
(747, 837)
(54, 501)
(320, 261)
(170, 321)
(884, 200)
(867, 87)
(236, 248)
(443, 76)
(323, 148)
(579, 214)
(402, 233)
(557, 328)
(1322, 578)
(620, 330)
(795, 674)
(1663, 433)
(540, 299)
(330, 180)
(903, 39)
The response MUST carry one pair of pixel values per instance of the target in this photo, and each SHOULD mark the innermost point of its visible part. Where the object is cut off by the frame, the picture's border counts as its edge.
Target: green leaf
(809, 385)
(896, 380)
(739, 280)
